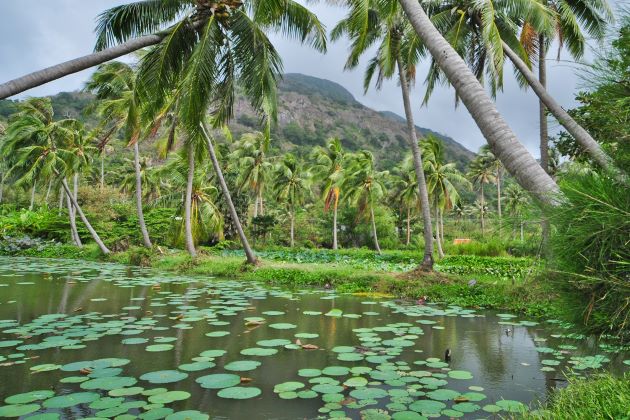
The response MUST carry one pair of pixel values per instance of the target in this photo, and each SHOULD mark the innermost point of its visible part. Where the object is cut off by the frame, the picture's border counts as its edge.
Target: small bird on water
(447, 355)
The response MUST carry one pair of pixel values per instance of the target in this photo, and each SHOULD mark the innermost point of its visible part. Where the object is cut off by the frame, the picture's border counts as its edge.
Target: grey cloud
(39, 33)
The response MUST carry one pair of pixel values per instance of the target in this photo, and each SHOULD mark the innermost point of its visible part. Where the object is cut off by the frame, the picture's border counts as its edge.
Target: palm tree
(365, 186)
(482, 32)
(504, 143)
(198, 209)
(406, 191)
(495, 165)
(442, 181)
(291, 186)
(383, 22)
(114, 85)
(39, 148)
(130, 27)
(480, 173)
(516, 204)
(254, 170)
(329, 167)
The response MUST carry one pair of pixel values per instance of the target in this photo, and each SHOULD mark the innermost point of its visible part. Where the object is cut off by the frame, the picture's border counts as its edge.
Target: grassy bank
(602, 397)
(499, 283)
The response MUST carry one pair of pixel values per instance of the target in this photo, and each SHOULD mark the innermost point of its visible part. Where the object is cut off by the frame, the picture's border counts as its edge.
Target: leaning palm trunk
(84, 219)
(427, 260)
(251, 258)
(378, 248)
(74, 233)
(438, 240)
(542, 110)
(49, 74)
(190, 243)
(32, 204)
(143, 227)
(502, 140)
(581, 136)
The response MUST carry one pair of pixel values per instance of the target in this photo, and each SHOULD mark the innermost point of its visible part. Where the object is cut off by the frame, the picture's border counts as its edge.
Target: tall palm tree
(291, 186)
(198, 209)
(483, 32)
(406, 191)
(480, 173)
(375, 21)
(443, 180)
(130, 27)
(504, 143)
(329, 167)
(365, 186)
(497, 167)
(115, 87)
(254, 169)
(39, 148)
(516, 204)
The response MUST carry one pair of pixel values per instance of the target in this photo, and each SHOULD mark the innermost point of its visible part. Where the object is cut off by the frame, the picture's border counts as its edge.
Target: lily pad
(18, 410)
(164, 376)
(242, 365)
(218, 380)
(258, 351)
(29, 397)
(239, 392)
(70, 400)
(169, 397)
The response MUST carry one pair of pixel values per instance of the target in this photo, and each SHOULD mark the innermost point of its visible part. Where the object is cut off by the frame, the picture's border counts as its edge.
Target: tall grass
(592, 243)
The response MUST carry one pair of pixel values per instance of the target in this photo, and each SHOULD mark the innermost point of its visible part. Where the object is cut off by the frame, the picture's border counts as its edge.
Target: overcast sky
(37, 33)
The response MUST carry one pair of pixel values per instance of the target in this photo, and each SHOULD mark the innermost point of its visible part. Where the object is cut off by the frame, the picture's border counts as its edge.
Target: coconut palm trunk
(1, 186)
(408, 225)
(335, 208)
(48, 192)
(522, 235)
(292, 217)
(427, 260)
(438, 240)
(442, 225)
(32, 204)
(61, 195)
(502, 140)
(190, 243)
(542, 110)
(58, 71)
(249, 253)
(84, 219)
(482, 211)
(75, 195)
(581, 136)
(74, 234)
(143, 227)
(378, 248)
(102, 170)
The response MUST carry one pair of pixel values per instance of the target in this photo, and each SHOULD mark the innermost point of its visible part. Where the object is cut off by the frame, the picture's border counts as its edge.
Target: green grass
(602, 397)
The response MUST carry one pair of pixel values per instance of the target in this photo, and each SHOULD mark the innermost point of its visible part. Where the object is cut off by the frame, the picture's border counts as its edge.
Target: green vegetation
(602, 397)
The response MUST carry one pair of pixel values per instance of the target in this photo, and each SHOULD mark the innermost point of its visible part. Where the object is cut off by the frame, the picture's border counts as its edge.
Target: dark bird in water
(508, 331)
(327, 286)
(422, 300)
(447, 355)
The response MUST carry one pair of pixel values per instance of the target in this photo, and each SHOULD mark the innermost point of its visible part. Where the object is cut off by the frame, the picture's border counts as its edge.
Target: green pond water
(81, 339)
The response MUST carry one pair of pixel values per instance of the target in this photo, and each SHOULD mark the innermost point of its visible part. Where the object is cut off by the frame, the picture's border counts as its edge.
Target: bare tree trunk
(49, 74)
(260, 201)
(75, 195)
(499, 210)
(437, 231)
(251, 258)
(442, 225)
(48, 192)
(408, 225)
(334, 232)
(378, 248)
(482, 211)
(190, 243)
(581, 136)
(102, 170)
(30, 207)
(74, 233)
(61, 194)
(84, 219)
(522, 235)
(1, 187)
(502, 140)
(143, 227)
(292, 216)
(256, 206)
(427, 260)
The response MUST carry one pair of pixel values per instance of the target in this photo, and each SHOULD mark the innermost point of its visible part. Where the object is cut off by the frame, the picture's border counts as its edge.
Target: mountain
(310, 111)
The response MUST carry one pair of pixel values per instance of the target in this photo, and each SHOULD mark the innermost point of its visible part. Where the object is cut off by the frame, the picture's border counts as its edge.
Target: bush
(590, 245)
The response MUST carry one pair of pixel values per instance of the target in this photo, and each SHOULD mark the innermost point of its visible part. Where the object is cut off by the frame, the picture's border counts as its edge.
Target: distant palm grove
(152, 160)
